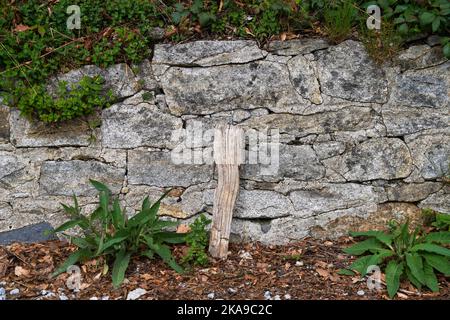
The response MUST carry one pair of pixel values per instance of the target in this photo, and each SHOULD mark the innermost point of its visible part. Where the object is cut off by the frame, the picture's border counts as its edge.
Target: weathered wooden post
(228, 155)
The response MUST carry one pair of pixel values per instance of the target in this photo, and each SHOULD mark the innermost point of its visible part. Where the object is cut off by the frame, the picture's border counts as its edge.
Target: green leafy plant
(197, 240)
(339, 18)
(439, 221)
(381, 45)
(412, 255)
(107, 232)
(78, 99)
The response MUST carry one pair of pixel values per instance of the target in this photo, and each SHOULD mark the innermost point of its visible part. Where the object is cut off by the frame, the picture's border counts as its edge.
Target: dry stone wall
(360, 143)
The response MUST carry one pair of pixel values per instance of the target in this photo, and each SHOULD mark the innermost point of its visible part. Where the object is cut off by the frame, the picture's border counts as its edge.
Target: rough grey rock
(401, 121)
(439, 201)
(346, 71)
(11, 168)
(411, 192)
(262, 204)
(205, 53)
(378, 158)
(144, 73)
(5, 211)
(143, 125)
(271, 231)
(297, 46)
(297, 162)
(29, 234)
(121, 80)
(304, 80)
(37, 134)
(419, 90)
(4, 123)
(157, 169)
(346, 119)
(421, 56)
(328, 149)
(430, 151)
(66, 178)
(319, 199)
(221, 88)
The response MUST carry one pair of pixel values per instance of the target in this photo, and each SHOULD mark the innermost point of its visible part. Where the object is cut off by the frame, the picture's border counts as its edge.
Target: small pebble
(47, 294)
(277, 297)
(246, 255)
(360, 293)
(136, 294)
(14, 292)
(211, 295)
(2, 291)
(299, 263)
(105, 298)
(287, 296)
(93, 298)
(267, 295)
(232, 290)
(62, 296)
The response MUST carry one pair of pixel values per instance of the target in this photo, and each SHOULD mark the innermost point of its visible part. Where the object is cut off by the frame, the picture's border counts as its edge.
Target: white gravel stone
(211, 295)
(14, 292)
(360, 293)
(136, 294)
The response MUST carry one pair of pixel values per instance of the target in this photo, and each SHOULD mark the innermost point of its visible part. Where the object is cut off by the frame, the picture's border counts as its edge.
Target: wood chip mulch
(304, 270)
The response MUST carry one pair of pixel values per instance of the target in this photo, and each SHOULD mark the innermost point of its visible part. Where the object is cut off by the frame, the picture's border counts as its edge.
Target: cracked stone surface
(228, 87)
(297, 46)
(380, 158)
(346, 71)
(129, 126)
(65, 178)
(157, 169)
(360, 144)
(37, 134)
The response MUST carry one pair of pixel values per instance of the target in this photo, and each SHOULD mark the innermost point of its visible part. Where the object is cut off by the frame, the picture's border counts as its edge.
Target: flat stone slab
(29, 234)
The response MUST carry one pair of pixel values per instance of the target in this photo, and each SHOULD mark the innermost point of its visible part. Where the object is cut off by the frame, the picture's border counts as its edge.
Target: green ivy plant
(197, 240)
(107, 232)
(414, 255)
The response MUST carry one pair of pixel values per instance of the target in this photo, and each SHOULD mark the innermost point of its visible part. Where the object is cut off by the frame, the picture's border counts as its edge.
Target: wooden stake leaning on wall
(229, 153)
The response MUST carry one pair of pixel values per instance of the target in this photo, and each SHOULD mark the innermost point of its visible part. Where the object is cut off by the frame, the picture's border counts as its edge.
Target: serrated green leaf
(117, 215)
(170, 237)
(363, 246)
(415, 264)
(346, 272)
(393, 272)
(362, 264)
(68, 225)
(99, 186)
(440, 263)
(379, 235)
(433, 248)
(442, 237)
(120, 267)
(71, 260)
(413, 279)
(430, 278)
